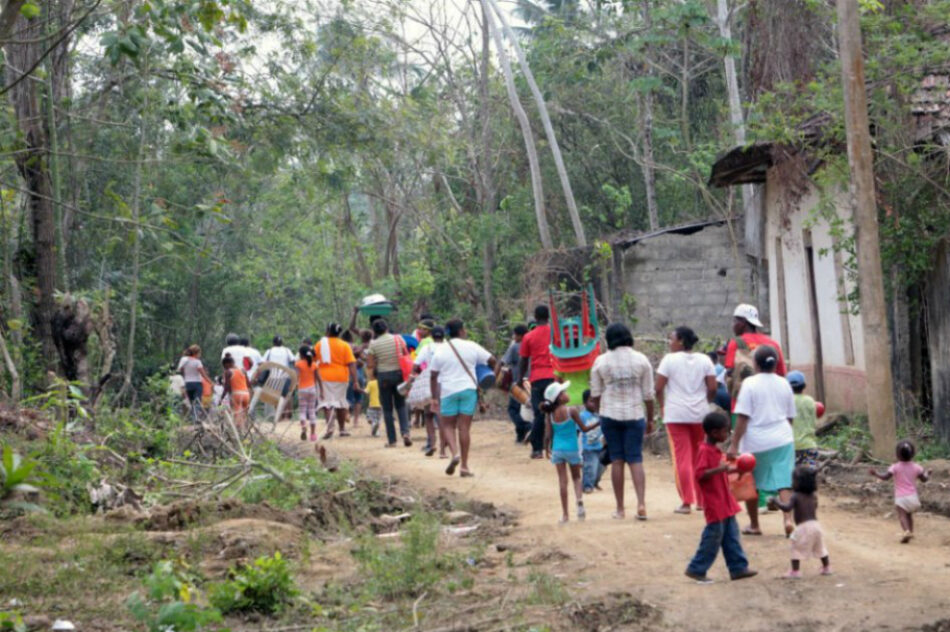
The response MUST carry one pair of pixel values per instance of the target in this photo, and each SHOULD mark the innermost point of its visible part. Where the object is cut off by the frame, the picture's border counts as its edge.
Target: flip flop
(789, 529)
(466, 474)
(682, 511)
(618, 515)
(751, 531)
(642, 513)
(454, 463)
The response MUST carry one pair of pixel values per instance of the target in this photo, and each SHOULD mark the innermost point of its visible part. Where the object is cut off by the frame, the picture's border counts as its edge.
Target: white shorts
(910, 504)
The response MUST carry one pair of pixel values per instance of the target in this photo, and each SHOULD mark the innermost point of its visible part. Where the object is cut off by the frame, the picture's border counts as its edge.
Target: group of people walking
(432, 375)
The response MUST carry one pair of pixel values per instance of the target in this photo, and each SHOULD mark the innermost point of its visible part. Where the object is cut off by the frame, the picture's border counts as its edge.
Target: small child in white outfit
(807, 540)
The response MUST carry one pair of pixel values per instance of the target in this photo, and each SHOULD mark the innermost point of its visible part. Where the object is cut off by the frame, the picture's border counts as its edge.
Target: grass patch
(409, 567)
(546, 589)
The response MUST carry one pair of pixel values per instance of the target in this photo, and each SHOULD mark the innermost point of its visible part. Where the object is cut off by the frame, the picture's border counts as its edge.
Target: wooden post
(877, 356)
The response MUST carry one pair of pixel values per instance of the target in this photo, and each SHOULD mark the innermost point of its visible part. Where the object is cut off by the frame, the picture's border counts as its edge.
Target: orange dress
(240, 396)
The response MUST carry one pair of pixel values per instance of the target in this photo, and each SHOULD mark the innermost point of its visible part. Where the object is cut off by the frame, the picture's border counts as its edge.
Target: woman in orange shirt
(308, 381)
(235, 386)
(338, 373)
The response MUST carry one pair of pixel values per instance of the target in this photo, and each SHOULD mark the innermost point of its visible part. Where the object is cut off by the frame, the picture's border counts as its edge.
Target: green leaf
(30, 10)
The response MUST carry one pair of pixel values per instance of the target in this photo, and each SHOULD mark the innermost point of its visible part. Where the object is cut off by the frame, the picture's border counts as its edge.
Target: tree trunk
(33, 164)
(485, 177)
(15, 389)
(136, 238)
(548, 128)
(880, 388)
(736, 117)
(534, 166)
(646, 122)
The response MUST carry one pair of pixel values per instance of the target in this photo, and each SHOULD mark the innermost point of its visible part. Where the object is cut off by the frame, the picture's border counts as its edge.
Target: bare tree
(546, 123)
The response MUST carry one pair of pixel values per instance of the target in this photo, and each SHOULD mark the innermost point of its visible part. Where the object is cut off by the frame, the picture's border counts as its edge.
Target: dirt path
(878, 584)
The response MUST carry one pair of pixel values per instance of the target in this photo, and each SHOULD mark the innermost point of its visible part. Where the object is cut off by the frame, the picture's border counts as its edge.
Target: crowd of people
(739, 399)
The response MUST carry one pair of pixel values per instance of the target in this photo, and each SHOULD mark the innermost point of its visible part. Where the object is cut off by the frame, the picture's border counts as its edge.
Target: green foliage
(265, 586)
(851, 438)
(62, 397)
(69, 471)
(17, 476)
(12, 622)
(169, 603)
(408, 568)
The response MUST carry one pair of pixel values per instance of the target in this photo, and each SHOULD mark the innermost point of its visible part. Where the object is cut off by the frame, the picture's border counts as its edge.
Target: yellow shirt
(372, 389)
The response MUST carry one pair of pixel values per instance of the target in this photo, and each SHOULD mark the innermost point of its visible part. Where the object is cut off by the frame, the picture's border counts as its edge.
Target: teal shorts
(461, 403)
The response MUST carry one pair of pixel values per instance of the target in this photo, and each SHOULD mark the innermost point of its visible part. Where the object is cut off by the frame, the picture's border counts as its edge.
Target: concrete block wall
(694, 280)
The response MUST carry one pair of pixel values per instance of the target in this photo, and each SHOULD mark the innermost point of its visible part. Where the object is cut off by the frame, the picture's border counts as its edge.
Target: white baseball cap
(749, 313)
(554, 389)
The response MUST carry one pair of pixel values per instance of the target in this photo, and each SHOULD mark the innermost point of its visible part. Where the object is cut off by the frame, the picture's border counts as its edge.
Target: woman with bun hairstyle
(685, 384)
(764, 412)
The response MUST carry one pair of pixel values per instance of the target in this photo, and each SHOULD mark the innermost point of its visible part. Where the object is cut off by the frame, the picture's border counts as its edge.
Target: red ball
(819, 409)
(745, 462)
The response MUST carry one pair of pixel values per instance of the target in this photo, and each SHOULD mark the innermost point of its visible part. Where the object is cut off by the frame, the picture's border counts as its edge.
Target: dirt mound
(854, 480)
(192, 513)
(617, 610)
(28, 422)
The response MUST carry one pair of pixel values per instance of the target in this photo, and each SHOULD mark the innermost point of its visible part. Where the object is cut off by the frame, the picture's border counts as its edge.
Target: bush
(265, 586)
(409, 568)
(170, 603)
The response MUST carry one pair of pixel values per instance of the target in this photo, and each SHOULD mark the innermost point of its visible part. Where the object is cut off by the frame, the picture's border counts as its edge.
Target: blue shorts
(461, 403)
(624, 439)
(570, 457)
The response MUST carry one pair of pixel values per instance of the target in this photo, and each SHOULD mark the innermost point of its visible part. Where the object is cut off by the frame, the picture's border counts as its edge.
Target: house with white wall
(808, 283)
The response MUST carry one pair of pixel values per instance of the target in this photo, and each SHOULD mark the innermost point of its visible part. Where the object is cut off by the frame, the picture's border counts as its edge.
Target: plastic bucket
(485, 376)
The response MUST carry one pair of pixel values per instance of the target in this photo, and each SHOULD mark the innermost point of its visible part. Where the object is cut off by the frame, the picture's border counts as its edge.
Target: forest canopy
(175, 170)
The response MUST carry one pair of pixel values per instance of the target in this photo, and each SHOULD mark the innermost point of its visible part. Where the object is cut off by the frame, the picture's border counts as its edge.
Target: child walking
(236, 389)
(905, 473)
(308, 380)
(719, 507)
(374, 409)
(806, 419)
(560, 440)
(591, 446)
(807, 540)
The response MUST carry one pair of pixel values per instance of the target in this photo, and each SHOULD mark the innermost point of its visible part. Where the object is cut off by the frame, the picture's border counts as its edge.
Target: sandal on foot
(642, 513)
(683, 509)
(792, 575)
(826, 570)
(906, 537)
(751, 531)
(581, 512)
(303, 434)
(430, 451)
(454, 463)
(618, 515)
(466, 474)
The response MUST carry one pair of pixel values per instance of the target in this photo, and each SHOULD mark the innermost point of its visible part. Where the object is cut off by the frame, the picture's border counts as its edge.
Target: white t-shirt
(189, 366)
(255, 357)
(453, 378)
(280, 355)
(768, 401)
(685, 374)
(237, 352)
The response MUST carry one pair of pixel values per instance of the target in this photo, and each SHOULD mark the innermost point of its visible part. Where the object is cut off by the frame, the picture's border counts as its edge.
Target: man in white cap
(746, 325)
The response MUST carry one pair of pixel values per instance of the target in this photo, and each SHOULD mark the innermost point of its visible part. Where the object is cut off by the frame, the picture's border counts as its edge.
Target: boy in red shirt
(722, 529)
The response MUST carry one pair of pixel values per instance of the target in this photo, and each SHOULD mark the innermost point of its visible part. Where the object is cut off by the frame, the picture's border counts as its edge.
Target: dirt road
(878, 583)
